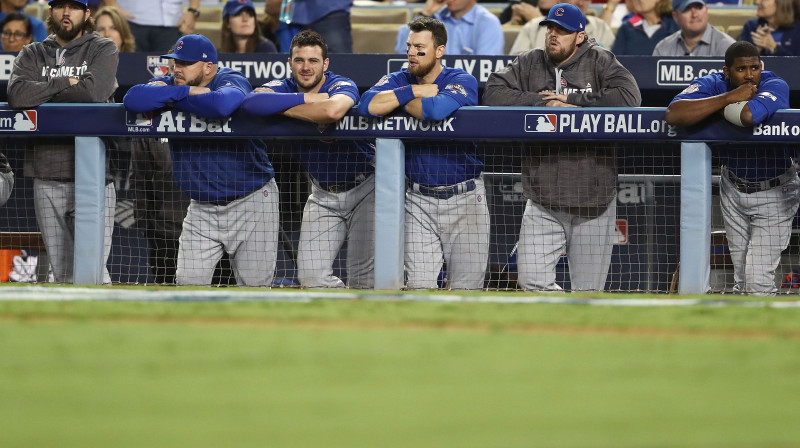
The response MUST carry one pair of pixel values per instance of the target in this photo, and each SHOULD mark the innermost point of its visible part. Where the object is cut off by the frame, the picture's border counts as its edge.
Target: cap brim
(238, 9)
(178, 58)
(559, 23)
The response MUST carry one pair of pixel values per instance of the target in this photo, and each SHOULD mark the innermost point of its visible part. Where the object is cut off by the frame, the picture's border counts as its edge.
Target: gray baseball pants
(246, 228)
(546, 234)
(328, 219)
(758, 226)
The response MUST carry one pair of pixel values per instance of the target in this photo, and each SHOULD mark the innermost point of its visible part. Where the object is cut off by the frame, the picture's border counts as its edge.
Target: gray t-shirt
(713, 43)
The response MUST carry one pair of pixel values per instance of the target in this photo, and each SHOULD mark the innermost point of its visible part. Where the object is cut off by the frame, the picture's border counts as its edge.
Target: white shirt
(153, 12)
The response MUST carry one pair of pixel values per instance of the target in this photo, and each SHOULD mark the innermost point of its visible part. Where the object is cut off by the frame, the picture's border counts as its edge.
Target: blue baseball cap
(193, 48)
(233, 7)
(683, 5)
(85, 3)
(566, 15)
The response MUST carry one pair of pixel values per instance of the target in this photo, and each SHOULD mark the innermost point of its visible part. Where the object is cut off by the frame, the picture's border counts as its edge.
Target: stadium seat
(734, 31)
(212, 30)
(33, 10)
(728, 17)
(374, 16)
(210, 14)
(374, 39)
(510, 33)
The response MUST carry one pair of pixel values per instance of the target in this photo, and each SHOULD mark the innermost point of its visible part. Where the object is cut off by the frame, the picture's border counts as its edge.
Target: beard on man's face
(69, 34)
(420, 71)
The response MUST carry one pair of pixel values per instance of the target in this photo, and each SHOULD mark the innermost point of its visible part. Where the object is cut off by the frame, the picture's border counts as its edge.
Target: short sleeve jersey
(330, 162)
(439, 163)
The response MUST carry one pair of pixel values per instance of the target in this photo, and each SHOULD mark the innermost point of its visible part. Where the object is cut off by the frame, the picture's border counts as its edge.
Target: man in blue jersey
(342, 201)
(447, 219)
(234, 198)
(760, 190)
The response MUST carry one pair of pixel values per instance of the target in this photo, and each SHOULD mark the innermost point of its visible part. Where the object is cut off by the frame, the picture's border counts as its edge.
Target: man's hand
(555, 100)
(762, 38)
(197, 90)
(262, 90)
(433, 6)
(744, 92)
(73, 81)
(425, 90)
(521, 13)
(186, 24)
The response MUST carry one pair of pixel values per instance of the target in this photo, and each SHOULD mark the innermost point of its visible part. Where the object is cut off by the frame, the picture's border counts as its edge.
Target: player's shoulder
(450, 74)
(334, 82)
(768, 76)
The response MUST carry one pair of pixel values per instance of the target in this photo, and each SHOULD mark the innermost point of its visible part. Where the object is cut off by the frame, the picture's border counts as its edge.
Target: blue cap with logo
(233, 7)
(193, 48)
(567, 15)
(683, 5)
(85, 3)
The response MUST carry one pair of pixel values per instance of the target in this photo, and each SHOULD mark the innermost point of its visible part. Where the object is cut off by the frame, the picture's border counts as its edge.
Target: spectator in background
(157, 24)
(471, 28)
(110, 24)
(241, 32)
(521, 12)
(9, 6)
(651, 22)
(696, 37)
(774, 31)
(532, 35)
(17, 32)
(330, 18)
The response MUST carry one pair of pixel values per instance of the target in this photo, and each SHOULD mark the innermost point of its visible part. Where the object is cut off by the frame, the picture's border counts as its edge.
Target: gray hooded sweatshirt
(41, 74)
(574, 177)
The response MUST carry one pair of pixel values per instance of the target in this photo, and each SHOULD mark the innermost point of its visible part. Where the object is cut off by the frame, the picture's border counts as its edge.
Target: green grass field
(361, 373)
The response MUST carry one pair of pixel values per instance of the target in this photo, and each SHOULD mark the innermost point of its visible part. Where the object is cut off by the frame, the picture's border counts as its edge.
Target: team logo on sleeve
(338, 84)
(382, 81)
(273, 83)
(456, 88)
(691, 89)
(768, 95)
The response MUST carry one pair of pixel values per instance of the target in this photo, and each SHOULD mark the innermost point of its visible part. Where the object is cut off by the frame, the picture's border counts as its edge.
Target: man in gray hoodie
(73, 65)
(571, 188)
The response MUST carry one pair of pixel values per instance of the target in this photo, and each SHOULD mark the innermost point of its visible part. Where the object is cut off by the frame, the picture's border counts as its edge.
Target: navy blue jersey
(329, 162)
(209, 170)
(437, 164)
(749, 161)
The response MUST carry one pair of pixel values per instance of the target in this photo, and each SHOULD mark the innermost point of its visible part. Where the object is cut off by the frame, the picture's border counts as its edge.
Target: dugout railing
(644, 126)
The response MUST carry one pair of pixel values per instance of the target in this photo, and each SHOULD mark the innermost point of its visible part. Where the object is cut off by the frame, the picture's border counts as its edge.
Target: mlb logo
(134, 119)
(540, 123)
(621, 234)
(22, 120)
(157, 66)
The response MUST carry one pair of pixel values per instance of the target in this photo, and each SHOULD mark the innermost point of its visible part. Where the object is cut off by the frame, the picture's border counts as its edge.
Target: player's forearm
(690, 111)
(216, 104)
(147, 97)
(323, 112)
(378, 104)
(415, 108)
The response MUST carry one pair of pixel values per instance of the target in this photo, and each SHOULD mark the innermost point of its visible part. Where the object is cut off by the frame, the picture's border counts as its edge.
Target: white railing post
(390, 186)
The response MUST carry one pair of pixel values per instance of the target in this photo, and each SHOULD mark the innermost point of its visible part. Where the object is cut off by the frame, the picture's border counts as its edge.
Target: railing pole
(389, 213)
(695, 267)
(90, 182)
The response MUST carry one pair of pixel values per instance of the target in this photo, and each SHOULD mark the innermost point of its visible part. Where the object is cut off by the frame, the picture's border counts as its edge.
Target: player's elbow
(675, 118)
